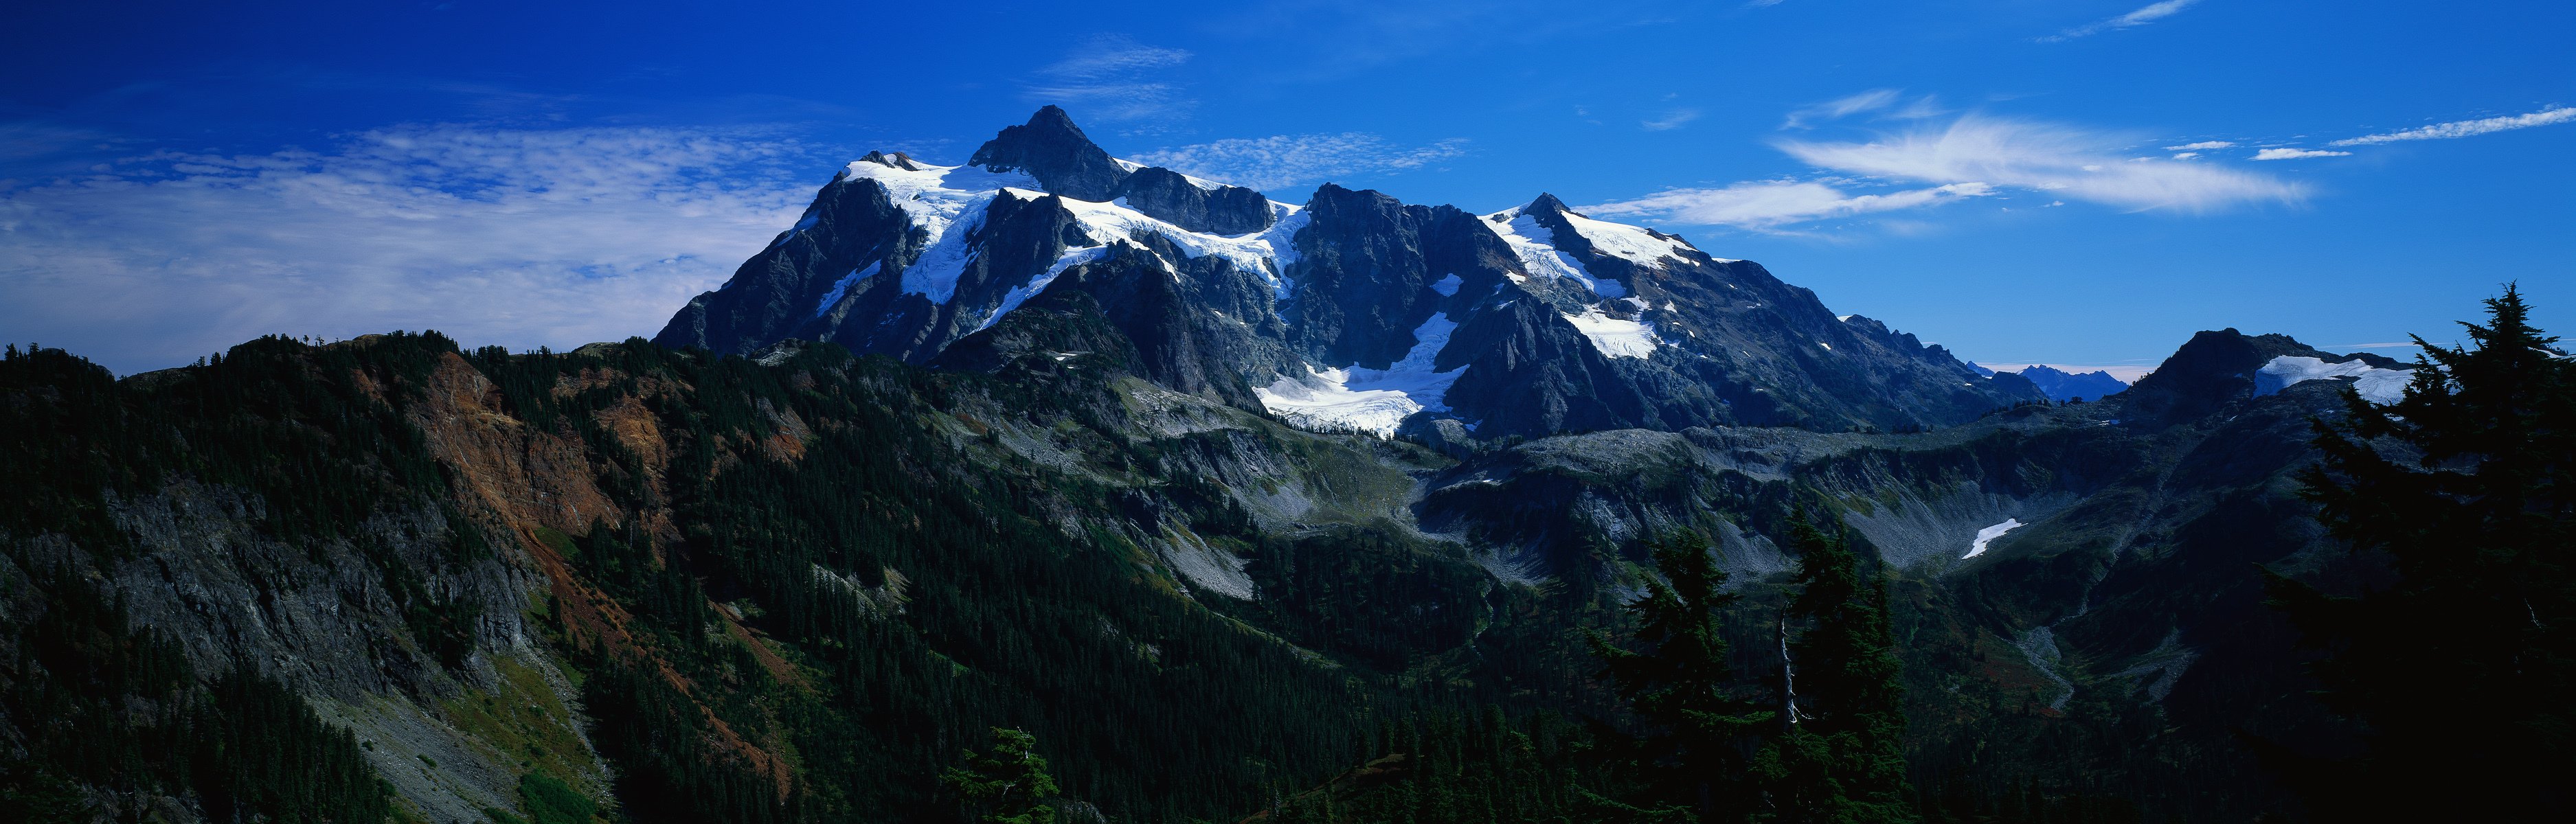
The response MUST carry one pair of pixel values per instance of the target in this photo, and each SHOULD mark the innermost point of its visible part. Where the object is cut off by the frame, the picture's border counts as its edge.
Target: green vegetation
(1009, 786)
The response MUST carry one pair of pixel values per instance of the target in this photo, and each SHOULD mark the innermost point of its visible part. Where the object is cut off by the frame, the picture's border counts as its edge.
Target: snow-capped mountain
(1352, 310)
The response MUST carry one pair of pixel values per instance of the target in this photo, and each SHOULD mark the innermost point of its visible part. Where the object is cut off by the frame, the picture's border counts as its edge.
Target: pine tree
(2458, 672)
(1840, 756)
(1680, 684)
(1011, 786)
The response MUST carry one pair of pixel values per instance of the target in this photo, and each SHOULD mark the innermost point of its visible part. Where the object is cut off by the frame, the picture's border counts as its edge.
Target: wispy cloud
(1768, 206)
(511, 237)
(1286, 160)
(2065, 161)
(1113, 78)
(2202, 146)
(1839, 108)
(1671, 120)
(2468, 128)
(2289, 153)
(2142, 16)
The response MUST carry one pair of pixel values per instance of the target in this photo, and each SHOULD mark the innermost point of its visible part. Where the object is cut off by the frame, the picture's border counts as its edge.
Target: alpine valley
(1177, 502)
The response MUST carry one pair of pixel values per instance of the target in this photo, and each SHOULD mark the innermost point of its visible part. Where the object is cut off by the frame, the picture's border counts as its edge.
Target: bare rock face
(1169, 196)
(1056, 152)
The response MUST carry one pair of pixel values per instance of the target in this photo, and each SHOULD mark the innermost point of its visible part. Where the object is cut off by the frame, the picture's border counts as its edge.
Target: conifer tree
(1010, 786)
(1840, 756)
(2458, 673)
(1678, 680)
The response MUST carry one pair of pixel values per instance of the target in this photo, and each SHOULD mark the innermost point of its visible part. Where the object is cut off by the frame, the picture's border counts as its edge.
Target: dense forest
(826, 589)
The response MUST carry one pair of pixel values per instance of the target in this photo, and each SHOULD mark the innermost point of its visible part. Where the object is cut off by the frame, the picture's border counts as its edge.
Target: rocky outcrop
(1171, 197)
(1056, 152)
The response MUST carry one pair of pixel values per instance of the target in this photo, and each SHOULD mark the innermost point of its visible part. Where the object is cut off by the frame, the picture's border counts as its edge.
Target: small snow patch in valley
(1988, 534)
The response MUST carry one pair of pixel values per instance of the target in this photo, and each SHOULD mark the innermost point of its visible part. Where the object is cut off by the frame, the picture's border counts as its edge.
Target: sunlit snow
(1369, 400)
(1614, 337)
(842, 287)
(2376, 385)
(1989, 534)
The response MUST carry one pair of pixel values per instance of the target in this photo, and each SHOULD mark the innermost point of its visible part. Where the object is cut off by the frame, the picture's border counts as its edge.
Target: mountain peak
(1055, 151)
(1546, 204)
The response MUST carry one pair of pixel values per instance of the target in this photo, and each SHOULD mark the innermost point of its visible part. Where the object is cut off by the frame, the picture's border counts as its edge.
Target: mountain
(698, 588)
(1352, 310)
(2061, 386)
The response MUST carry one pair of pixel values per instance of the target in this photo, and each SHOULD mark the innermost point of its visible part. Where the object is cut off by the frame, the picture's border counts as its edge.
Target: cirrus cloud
(1281, 161)
(2467, 128)
(2292, 153)
(2066, 161)
(1767, 206)
(2148, 14)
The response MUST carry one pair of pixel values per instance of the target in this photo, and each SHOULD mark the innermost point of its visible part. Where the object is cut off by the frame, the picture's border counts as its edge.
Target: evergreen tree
(1011, 786)
(1678, 680)
(2458, 671)
(1840, 757)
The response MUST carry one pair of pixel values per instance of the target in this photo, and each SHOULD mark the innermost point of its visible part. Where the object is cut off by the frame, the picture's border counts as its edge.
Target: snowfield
(1989, 534)
(1369, 400)
(1614, 337)
(2376, 385)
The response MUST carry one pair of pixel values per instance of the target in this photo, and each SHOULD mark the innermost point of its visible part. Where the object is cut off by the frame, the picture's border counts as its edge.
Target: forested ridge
(806, 587)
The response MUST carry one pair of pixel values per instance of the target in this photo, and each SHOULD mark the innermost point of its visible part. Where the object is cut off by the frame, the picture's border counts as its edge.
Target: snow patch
(1614, 337)
(2376, 385)
(1022, 293)
(1630, 243)
(842, 287)
(1988, 535)
(1447, 285)
(1370, 400)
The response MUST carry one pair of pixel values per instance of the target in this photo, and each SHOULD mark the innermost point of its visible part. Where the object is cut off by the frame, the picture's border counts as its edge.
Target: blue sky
(2018, 180)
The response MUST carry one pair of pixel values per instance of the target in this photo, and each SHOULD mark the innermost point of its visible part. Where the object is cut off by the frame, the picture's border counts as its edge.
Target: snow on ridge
(1535, 245)
(1630, 243)
(1023, 292)
(1369, 400)
(1988, 534)
(1614, 337)
(842, 286)
(949, 203)
(2376, 385)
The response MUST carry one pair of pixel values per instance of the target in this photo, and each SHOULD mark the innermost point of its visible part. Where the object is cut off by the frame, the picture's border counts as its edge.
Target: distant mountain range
(2061, 386)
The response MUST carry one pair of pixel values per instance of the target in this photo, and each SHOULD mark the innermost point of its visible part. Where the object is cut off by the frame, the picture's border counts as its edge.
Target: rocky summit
(1351, 310)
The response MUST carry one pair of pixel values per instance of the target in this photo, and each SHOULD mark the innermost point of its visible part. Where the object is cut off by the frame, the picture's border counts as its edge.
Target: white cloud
(2142, 16)
(1281, 161)
(2185, 155)
(1871, 100)
(510, 237)
(2295, 154)
(1111, 78)
(1769, 205)
(2202, 146)
(2065, 161)
(1671, 120)
(2468, 128)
